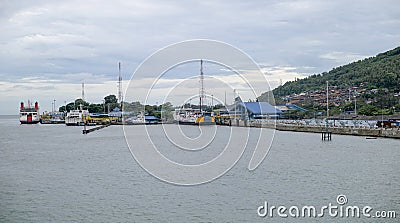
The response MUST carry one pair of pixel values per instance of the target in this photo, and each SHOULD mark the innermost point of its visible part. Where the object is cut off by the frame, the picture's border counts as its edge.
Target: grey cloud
(65, 40)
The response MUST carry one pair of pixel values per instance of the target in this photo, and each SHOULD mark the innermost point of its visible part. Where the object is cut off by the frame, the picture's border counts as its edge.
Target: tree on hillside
(367, 110)
(377, 80)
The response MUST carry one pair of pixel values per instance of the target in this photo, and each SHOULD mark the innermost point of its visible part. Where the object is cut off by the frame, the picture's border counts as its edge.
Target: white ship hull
(29, 115)
(76, 117)
(31, 118)
(186, 116)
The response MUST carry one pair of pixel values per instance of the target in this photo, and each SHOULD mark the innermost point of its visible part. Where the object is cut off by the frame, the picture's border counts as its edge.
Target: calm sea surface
(53, 173)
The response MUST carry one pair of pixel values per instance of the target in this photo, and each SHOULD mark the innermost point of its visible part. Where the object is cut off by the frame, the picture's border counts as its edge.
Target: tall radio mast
(119, 84)
(201, 85)
(83, 91)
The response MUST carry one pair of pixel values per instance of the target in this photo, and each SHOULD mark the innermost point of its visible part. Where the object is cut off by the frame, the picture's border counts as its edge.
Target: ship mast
(201, 85)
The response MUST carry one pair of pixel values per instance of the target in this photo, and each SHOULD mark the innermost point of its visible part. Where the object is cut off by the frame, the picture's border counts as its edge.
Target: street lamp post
(234, 100)
(327, 106)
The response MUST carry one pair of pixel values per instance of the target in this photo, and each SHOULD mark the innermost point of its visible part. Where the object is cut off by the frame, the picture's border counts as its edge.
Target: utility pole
(234, 101)
(355, 102)
(327, 100)
(349, 94)
(327, 106)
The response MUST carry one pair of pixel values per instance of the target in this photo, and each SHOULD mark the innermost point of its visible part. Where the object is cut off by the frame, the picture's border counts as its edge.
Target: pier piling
(326, 136)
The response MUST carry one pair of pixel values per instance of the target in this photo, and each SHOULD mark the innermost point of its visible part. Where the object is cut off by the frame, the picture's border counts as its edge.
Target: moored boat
(186, 116)
(29, 115)
(206, 118)
(52, 118)
(76, 117)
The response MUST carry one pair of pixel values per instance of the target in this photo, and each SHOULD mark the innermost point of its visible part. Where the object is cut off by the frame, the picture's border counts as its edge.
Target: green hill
(380, 73)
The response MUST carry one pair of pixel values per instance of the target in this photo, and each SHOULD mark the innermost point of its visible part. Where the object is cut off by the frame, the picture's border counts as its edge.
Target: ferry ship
(29, 115)
(186, 116)
(76, 117)
(189, 116)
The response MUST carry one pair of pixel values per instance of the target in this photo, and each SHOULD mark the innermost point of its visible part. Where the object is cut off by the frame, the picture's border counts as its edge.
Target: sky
(48, 48)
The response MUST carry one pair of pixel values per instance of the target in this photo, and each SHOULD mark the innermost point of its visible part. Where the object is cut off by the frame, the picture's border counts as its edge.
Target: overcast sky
(48, 48)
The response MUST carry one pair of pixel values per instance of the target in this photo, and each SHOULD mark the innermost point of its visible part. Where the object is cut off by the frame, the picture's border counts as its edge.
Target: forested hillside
(375, 81)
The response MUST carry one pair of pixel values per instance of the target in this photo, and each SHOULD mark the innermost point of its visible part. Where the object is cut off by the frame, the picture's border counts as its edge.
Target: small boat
(370, 137)
(76, 117)
(135, 120)
(186, 116)
(52, 118)
(29, 115)
(142, 120)
(206, 118)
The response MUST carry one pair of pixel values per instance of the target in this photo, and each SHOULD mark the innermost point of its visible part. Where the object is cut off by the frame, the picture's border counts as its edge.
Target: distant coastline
(348, 130)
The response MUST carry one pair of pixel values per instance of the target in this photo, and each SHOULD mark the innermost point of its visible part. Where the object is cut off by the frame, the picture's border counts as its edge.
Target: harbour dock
(86, 131)
(339, 130)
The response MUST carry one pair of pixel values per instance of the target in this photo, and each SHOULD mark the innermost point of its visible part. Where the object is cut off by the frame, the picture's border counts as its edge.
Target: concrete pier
(371, 132)
(86, 131)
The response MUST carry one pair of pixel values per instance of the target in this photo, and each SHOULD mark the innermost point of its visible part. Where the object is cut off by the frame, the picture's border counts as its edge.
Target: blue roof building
(255, 110)
(116, 112)
(150, 119)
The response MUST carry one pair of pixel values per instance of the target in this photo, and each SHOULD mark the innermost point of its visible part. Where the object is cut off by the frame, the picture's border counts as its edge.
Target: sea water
(54, 173)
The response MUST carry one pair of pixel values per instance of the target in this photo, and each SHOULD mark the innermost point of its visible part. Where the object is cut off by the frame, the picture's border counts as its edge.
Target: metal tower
(83, 91)
(119, 84)
(201, 85)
